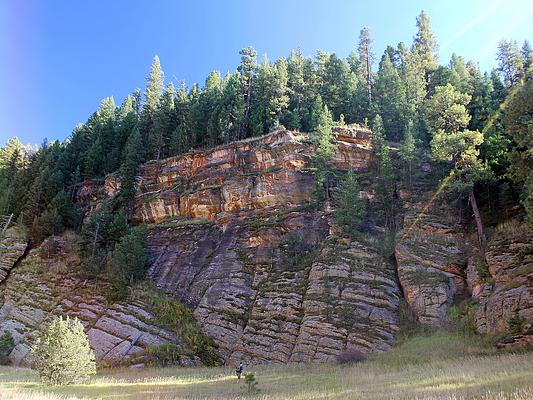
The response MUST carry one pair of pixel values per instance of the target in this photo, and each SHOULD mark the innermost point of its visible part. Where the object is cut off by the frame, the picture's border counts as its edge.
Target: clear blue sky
(59, 58)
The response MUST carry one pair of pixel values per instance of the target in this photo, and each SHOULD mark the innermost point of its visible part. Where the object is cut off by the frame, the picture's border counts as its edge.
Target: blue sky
(59, 58)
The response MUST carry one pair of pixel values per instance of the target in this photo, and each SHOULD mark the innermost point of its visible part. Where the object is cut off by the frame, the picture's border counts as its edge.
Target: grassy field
(441, 366)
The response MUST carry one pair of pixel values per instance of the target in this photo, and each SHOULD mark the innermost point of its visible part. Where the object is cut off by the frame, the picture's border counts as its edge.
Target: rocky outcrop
(262, 305)
(431, 260)
(221, 223)
(263, 172)
(507, 289)
(13, 244)
(45, 285)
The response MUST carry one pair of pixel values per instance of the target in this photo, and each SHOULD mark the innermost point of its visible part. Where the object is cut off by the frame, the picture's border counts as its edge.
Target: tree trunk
(477, 216)
(368, 76)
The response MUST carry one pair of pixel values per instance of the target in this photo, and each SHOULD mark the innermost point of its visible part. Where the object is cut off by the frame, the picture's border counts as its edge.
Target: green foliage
(350, 208)
(296, 252)
(408, 152)
(519, 123)
(463, 316)
(62, 354)
(127, 261)
(251, 383)
(323, 139)
(515, 323)
(165, 355)
(7, 344)
(510, 62)
(178, 318)
(386, 187)
(390, 99)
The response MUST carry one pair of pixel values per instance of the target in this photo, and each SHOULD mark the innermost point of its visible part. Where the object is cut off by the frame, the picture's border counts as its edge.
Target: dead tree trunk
(477, 216)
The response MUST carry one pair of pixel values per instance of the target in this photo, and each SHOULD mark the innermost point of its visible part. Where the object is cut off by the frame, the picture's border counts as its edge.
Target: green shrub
(463, 317)
(127, 262)
(251, 383)
(296, 252)
(165, 355)
(62, 354)
(6, 346)
(177, 317)
(515, 323)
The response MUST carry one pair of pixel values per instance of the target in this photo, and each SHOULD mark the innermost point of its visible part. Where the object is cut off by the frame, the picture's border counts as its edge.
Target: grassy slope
(442, 366)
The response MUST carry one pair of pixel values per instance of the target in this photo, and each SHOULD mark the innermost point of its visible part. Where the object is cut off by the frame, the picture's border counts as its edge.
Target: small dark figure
(239, 370)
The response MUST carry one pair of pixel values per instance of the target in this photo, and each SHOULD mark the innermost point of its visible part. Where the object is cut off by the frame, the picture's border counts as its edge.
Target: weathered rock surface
(269, 171)
(508, 289)
(42, 287)
(260, 308)
(430, 258)
(12, 247)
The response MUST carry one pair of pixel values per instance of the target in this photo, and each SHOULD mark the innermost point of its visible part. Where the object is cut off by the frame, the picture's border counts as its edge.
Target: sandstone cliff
(232, 236)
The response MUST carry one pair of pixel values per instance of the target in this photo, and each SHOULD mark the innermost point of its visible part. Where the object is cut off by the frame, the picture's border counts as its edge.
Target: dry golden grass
(443, 366)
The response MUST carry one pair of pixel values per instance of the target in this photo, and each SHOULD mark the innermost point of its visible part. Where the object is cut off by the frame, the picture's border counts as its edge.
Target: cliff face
(430, 256)
(262, 273)
(271, 279)
(505, 291)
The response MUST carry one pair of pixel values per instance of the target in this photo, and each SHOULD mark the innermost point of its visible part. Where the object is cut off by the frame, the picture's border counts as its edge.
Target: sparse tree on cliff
(350, 208)
(385, 185)
(408, 151)
(325, 150)
(446, 119)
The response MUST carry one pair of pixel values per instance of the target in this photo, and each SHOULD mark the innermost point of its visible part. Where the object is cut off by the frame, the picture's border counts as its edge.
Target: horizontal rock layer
(507, 290)
(42, 287)
(430, 257)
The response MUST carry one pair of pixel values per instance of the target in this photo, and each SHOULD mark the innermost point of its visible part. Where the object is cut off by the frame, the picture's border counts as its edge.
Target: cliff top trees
(366, 60)
(510, 62)
(519, 123)
(152, 94)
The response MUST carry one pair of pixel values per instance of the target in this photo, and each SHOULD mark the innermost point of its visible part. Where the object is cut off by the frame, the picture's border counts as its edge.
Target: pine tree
(446, 119)
(366, 60)
(165, 122)
(390, 99)
(408, 151)
(510, 62)
(325, 150)
(133, 156)
(519, 122)
(152, 94)
(425, 48)
(232, 108)
(182, 138)
(247, 69)
(527, 55)
(385, 174)
(350, 208)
